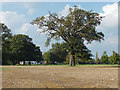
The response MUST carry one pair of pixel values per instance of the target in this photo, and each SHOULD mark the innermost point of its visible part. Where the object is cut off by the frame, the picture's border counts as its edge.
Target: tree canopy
(75, 28)
(115, 58)
(17, 48)
(56, 54)
(5, 37)
(23, 48)
(104, 58)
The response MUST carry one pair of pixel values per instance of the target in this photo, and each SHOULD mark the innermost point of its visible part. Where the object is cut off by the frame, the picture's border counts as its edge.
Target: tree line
(18, 47)
(59, 53)
(113, 59)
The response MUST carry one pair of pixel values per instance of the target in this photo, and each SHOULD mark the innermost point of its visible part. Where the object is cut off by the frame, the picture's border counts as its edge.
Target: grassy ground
(60, 76)
(67, 65)
(1, 68)
(76, 65)
(97, 65)
(80, 65)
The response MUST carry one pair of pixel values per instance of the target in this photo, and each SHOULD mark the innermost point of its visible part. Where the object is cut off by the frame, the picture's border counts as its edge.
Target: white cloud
(31, 11)
(111, 41)
(13, 20)
(65, 11)
(29, 7)
(19, 24)
(109, 26)
(111, 17)
(27, 27)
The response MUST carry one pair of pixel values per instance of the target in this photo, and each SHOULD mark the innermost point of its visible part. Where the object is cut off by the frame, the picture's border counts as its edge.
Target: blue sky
(17, 17)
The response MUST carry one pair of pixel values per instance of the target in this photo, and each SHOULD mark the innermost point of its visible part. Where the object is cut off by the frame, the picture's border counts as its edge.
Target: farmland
(59, 77)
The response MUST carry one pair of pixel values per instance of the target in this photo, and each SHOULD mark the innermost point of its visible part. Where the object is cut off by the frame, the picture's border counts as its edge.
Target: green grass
(3, 68)
(68, 65)
(96, 65)
(19, 67)
(41, 65)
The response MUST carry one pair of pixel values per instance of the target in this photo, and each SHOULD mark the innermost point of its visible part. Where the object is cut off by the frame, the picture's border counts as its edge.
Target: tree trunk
(23, 62)
(13, 62)
(29, 63)
(72, 59)
(96, 58)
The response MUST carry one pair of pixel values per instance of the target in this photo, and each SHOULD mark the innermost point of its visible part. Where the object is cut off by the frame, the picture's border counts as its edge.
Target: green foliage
(56, 54)
(5, 37)
(104, 58)
(115, 58)
(91, 61)
(83, 52)
(47, 57)
(79, 25)
(86, 61)
(59, 51)
(23, 49)
(18, 47)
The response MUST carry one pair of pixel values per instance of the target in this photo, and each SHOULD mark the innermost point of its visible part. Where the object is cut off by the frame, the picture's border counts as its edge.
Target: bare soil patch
(59, 77)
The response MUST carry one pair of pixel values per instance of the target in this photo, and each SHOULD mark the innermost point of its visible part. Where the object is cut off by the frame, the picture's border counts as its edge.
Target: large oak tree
(75, 28)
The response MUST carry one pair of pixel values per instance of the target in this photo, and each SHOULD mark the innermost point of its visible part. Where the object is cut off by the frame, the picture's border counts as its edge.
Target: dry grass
(59, 77)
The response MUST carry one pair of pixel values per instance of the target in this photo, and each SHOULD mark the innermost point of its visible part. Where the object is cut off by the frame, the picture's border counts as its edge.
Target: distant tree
(37, 54)
(78, 26)
(5, 37)
(67, 58)
(23, 49)
(104, 58)
(115, 58)
(47, 57)
(90, 61)
(83, 54)
(59, 51)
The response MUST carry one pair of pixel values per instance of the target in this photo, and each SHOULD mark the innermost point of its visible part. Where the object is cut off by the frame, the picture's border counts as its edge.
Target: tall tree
(79, 25)
(5, 37)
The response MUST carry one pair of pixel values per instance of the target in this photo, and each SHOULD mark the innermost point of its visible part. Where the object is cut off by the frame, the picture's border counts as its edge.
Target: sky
(17, 16)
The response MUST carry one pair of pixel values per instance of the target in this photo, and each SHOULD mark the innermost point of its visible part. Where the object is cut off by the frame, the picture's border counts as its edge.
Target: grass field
(68, 65)
(60, 76)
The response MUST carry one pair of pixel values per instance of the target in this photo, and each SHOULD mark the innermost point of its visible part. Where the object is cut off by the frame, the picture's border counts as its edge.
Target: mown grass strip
(96, 65)
(1, 68)
(68, 65)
